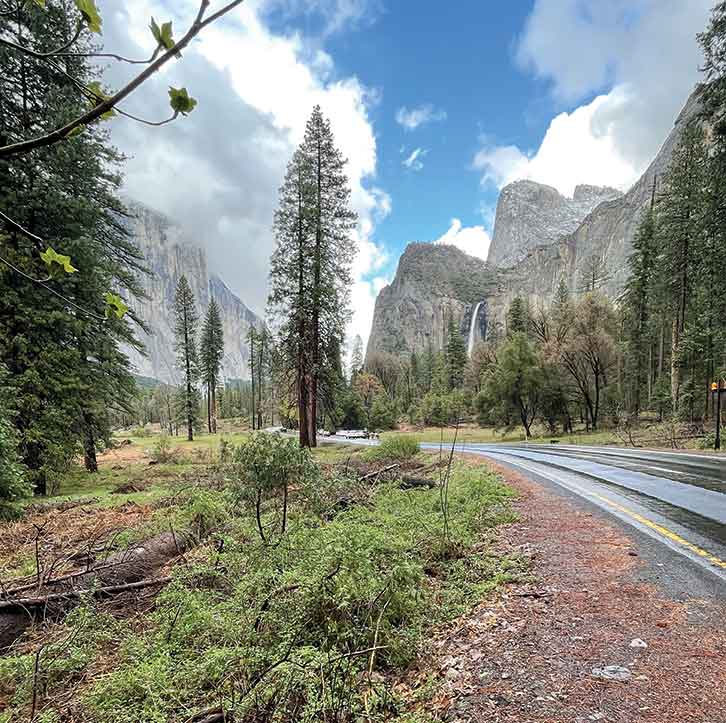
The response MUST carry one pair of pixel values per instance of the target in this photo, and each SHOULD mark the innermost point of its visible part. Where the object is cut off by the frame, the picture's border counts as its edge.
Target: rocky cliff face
(169, 254)
(606, 233)
(540, 237)
(432, 281)
(530, 214)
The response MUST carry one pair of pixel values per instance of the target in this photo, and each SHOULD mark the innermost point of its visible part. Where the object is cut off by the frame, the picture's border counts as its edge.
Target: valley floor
(515, 627)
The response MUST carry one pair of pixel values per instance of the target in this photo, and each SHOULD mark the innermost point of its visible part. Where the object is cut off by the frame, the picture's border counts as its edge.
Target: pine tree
(66, 369)
(680, 235)
(356, 357)
(637, 303)
(456, 356)
(310, 268)
(185, 324)
(211, 353)
(594, 274)
(517, 317)
(14, 487)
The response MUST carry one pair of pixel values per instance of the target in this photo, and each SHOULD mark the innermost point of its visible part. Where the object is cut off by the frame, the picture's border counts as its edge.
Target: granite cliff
(169, 254)
(530, 214)
(540, 238)
(606, 233)
(432, 281)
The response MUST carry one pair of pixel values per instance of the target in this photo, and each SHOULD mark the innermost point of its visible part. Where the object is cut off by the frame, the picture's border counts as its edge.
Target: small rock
(506, 676)
(596, 716)
(638, 643)
(612, 672)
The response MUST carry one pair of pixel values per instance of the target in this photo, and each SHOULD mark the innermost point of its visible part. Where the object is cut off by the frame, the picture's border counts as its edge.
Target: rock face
(530, 214)
(540, 238)
(606, 233)
(432, 281)
(169, 254)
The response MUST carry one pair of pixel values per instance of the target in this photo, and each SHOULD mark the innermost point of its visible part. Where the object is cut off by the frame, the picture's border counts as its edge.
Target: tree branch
(95, 113)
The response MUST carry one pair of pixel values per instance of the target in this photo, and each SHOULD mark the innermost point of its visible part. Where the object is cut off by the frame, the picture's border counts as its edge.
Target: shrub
(162, 451)
(399, 447)
(265, 465)
(140, 432)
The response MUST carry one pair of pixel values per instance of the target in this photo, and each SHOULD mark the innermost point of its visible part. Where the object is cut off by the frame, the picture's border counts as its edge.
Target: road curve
(676, 501)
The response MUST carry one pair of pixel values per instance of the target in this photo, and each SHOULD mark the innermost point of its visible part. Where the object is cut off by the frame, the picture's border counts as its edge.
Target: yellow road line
(674, 537)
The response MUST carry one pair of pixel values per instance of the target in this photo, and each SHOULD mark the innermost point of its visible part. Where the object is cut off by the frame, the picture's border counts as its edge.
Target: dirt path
(529, 656)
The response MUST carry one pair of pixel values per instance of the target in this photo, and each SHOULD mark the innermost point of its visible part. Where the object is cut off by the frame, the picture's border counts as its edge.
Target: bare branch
(147, 122)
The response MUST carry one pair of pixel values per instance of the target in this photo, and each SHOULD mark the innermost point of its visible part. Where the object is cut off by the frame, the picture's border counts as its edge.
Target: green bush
(264, 466)
(140, 432)
(162, 451)
(398, 447)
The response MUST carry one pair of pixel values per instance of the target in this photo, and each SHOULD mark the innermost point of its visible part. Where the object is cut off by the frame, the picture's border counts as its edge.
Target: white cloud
(472, 240)
(640, 56)
(414, 160)
(574, 151)
(218, 171)
(415, 117)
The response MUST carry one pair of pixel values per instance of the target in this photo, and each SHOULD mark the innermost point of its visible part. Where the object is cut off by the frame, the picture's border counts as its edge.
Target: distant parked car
(323, 433)
(275, 430)
(352, 433)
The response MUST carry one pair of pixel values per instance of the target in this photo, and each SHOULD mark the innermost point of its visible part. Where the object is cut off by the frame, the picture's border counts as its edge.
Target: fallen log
(380, 471)
(408, 483)
(127, 570)
(34, 602)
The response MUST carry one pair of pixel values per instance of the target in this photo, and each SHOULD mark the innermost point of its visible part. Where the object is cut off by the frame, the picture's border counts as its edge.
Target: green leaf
(162, 35)
(90, 14)
(99, 97)
(115, 305)
(39, 3)
(57, 264)
(180, 101)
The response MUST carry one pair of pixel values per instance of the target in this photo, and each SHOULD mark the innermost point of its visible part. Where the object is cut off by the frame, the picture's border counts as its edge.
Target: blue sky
(559, 91)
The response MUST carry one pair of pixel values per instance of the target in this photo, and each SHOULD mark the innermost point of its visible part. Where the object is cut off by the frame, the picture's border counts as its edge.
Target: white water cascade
(472, 328)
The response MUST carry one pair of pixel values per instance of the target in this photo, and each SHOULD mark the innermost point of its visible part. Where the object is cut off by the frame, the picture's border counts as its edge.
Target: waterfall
(472, 329)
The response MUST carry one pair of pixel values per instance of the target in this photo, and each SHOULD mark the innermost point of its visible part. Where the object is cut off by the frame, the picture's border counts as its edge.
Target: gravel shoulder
(529, 654)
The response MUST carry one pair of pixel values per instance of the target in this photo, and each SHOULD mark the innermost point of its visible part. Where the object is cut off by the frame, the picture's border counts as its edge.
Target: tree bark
(89, 444)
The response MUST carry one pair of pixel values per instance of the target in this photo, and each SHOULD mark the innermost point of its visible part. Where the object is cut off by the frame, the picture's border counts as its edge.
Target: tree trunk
(89, 444)
(213, 394)
(675, 374)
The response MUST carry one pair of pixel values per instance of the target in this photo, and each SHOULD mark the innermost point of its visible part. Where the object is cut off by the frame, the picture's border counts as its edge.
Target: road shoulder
(530, 654)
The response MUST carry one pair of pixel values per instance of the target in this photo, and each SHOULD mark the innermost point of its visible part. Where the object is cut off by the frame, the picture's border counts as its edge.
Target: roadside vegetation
(304, 587)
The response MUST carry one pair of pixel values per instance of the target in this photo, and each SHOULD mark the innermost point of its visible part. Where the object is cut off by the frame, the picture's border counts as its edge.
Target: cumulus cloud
(218, 171)
(640, 57)
(414, 160)
(415, 117)
(472, 240)
(574, 151)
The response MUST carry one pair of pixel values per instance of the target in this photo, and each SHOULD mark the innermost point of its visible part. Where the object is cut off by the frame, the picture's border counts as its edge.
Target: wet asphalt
(672, 505)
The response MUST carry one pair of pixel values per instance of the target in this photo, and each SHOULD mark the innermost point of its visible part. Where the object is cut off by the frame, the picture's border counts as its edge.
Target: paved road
(677, 500)
(674, 503)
